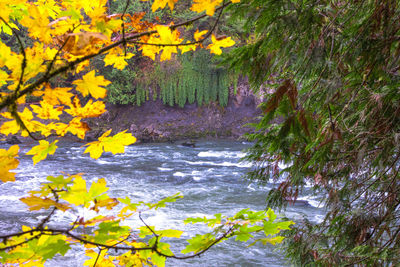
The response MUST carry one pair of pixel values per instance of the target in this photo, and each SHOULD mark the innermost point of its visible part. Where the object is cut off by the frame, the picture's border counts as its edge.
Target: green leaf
(198, 243)
(271, 215)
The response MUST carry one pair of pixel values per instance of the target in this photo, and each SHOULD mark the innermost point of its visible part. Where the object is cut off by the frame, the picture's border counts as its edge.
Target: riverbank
(155, 122)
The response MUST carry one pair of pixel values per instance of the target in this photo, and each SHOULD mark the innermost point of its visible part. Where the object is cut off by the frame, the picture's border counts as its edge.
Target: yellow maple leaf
(162, 3)
(75, 127)
(167, 37)
(37, 23)
(38, 203)
(216, 45)
(58, 95)
(41, 151)
(208, 6)
(12, 127)
(8, 162)
(77, 192)
(150, 51)
(47, 111)
(115, 144)
(92, 84)
(90, 110)
(187, 48)
(198, 35)
(118, 60)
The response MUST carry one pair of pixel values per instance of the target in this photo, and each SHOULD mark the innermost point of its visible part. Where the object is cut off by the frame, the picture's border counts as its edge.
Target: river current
(209, 176)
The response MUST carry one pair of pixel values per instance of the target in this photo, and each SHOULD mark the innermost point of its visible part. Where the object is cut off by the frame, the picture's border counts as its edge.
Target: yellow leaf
(170, 38)
(3, 77)
(100, 260)
(93, 85)
(150, 51)
(97, 188)
(118, 60)
(37, 23)
(8, 162)
(12, 127)
(208, 6)
(75, 127)
(162, 3)
(37, 203)
(187, 48)
(115, 144)
(56, 96)
(90, 110)
(216, 45)
(47, 111)
(77, 192)
(41, 151)
(198, 35)
(107, 203)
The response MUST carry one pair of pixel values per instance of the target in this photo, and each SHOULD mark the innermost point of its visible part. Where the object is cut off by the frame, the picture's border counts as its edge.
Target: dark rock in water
(299, 202)
(13, 140)
(303, 203)
(189, 144)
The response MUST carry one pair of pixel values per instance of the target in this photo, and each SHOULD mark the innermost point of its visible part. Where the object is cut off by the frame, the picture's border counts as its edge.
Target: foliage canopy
(333, 119)
(60, 37)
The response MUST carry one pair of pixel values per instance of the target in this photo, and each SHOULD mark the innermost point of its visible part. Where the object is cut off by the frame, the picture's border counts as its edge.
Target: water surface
(209, 176)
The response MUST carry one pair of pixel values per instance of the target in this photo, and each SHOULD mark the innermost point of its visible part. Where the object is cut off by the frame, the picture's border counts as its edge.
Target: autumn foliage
(50, 38)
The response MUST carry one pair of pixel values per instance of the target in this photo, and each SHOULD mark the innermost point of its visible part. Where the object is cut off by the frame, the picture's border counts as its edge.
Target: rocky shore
(156, 122)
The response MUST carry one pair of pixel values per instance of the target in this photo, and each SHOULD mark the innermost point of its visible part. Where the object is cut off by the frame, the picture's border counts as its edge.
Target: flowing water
(209, 176)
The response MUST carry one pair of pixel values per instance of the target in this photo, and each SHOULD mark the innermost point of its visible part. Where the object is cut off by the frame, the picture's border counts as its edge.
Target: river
(209, 176)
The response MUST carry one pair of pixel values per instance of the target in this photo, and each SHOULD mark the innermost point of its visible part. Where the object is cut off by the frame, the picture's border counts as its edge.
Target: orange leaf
(37, 203)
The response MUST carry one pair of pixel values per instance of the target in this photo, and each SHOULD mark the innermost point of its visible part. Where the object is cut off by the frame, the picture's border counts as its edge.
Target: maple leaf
(75, 127)
(90, 110)
(117, 60)
(82, 43)
(187, 48)
(79, 195)
(41, 151)
(76, 193)
(55, 96)
(12, 127)
(167, 37)
(47, 111)
(115, 144)
(92, 84)
(150, 51)
(107, 203)
(205, 5)
(162, 3)
(8, 162)
(198, 35)
(216, 45)
(37, 23)
(38, 203)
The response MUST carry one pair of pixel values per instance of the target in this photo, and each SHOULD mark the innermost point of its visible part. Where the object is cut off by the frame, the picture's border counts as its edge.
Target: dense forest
(326, 75)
